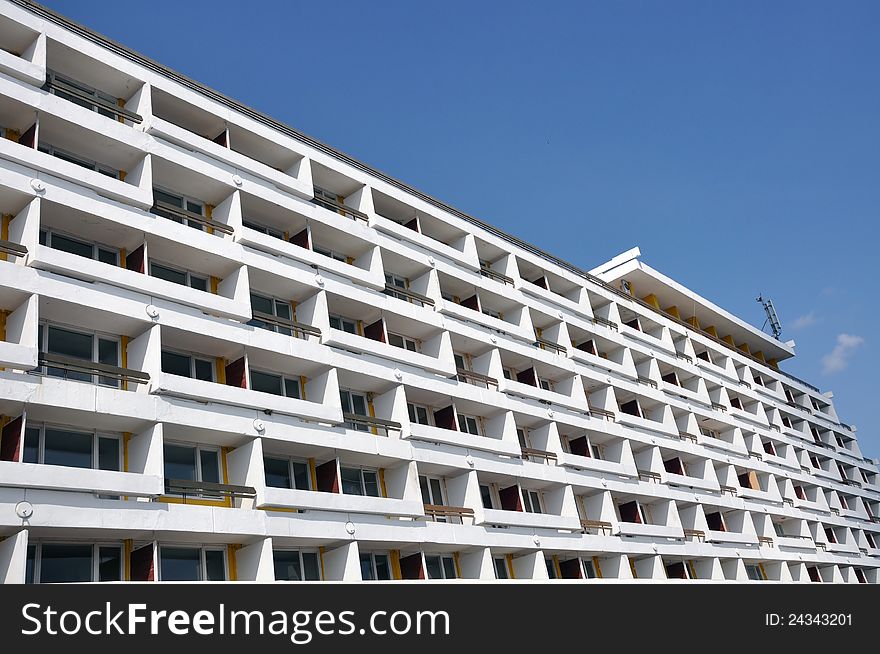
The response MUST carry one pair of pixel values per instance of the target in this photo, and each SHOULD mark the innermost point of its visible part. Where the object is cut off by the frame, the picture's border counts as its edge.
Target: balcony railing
(102, 370)
(602, 413)
(529, 452)
(647, 382)
(302, 329)
(407, 295)
(192, 216)
(497, 276)
(765, 540)
(683, 435)
(598, 525)
(434, 511)
(756, 455)
(475, 378)
(685, 357)
(647, 475)
(699, 534)
(185, 488)
(354, 214)
(59, 85)
(16, 250)
(851, 482)
(371, 422)
(719, 407)
(549, 346)
(610, 324)
(731, 490)
(788, 502)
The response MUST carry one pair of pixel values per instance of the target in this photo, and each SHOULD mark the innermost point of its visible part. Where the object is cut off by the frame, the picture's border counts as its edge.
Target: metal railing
(788, 501)
(475, 378)
(183, 214)
(765, 540)
(16, 250)
(435, 511)
(305, 330)
(756, 455)
(598, 525)
(371, 422)
(497, 276)
(647, 475)
(610, 324)
(59, 85)
(699, 534)
(686, 357)
(102, 370)
(602, 413)
(354, 214)
(719, 407)
(851, 482)
(647, 382)
(407, 295)
(550, 346)
(731, 490)
(185, 487)
(530, 452)
(683, 435)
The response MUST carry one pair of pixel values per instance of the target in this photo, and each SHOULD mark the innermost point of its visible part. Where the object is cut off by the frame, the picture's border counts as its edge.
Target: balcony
(476, 379)
(166, 210)
(487, 272)
(100, 371)
(445, 513)
(299, 329)
(64, 88)
(198, 489)
(375, 425)
(408, 295)
(13, 249)
(601, 527)
(79, 480)
(342, 209)
(534, 520)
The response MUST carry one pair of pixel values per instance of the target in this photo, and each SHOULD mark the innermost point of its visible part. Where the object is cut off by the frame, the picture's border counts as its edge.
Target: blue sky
(738, 144)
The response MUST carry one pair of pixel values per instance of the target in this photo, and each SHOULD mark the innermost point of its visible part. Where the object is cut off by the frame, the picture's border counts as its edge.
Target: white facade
(429, 398)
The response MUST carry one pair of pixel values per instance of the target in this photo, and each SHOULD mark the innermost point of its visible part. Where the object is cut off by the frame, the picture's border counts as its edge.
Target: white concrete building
(231, 352)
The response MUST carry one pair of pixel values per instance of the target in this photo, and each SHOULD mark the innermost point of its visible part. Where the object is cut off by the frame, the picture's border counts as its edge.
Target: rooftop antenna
(772, 318)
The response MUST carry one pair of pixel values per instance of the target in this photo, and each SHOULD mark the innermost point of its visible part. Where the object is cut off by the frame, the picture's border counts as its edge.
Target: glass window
(440, 567)
(168, 274)
(66, 244)
(31, 445)
(343, 324)
(468, 425)
(109, 563)
(215, 566)
(65, 563)
(266, 382)
(360, 482)
(277, 472)
(486, 496)
(67, 448)
(296, 566)
(589, 570)
(175, 364)
(402, 342)
(180, 462)
(180, 564)
(355, 403)
(375, 567)
(108, 453)
(500, 568)
(417, 414)
(203, 369)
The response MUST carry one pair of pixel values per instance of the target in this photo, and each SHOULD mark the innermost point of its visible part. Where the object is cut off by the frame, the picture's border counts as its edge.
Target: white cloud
(838, 358)
(805, 320)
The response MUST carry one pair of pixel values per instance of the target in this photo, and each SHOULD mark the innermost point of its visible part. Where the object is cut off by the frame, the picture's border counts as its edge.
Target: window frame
(199, 448)
(97, 435)
(412, 409)
(290, 471)
(203, 567)
(302, 567)
(96, 336)
(405, 341)
(77, 160)
(188, 274)
(36, 570)
(186, 203)
(192, 356)
(442, 560)
(530, 498)
(282, 378)
(476, 420)
(276, 302)
(374, 566)
(342, 322)
(47, 234)
(362, 480)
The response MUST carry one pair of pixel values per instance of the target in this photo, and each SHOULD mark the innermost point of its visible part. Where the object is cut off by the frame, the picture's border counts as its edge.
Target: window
(287, 473)
(86, 90)
(357, 404)
(177, 276)
(357, 481)
(267, 382)
(509, 373)
(79, 247)
(375, 567)
(192, 463)
(293, 565)
(326, 196)
(275, 233)
(869, 538)
(402, 342)
(50, 563)
(343, 324)
(769, 448)
(338, 256)
(546, 384)
(523, 435)
(191, 564)
(486, 496)
(270, 307)
(492, 313)
(432, 492)
(185, 365)
(589, 569)
(799, 493)
(779, 529)
(64, 155)
(736, 403)
(531, 501)
(830, 536)
(754, 572)
(468, 424)
(90, 347)
(178, 202)
(440, 567)
(500, 564)
(704, 355)
(418, 414)
(786, 422)
(551, 568)
(709, 433)
(60, 446)
(461, 362)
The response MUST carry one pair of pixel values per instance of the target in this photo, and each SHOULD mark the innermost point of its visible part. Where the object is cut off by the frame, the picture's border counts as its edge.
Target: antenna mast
(772, 318)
